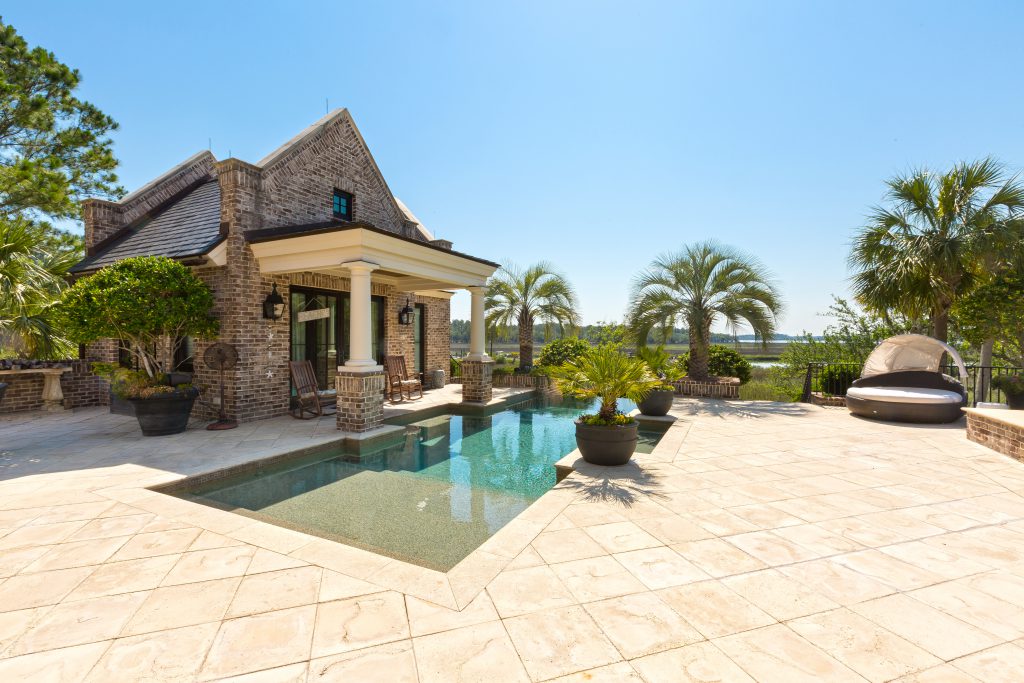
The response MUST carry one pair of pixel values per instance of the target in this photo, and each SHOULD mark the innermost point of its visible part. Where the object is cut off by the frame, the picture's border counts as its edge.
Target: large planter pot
(657, 403)
(606, 445)
(1015, 401)
(163, 415)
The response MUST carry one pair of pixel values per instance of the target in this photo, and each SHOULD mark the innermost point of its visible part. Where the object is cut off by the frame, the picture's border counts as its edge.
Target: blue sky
(591, 134)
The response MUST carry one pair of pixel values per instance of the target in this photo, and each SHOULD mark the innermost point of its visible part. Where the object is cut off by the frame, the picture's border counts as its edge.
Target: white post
(477, 325)
(360, 334)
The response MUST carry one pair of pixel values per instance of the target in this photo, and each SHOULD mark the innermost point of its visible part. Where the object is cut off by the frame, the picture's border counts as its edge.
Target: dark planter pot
(657, 403)
(1015, 401)
(163, 415)
(3, 390)
(606, 445)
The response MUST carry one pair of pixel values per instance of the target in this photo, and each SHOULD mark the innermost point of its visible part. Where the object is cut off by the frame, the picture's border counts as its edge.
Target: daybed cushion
(905, 395)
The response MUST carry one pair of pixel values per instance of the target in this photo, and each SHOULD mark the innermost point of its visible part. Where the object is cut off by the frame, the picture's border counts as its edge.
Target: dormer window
(342, 205)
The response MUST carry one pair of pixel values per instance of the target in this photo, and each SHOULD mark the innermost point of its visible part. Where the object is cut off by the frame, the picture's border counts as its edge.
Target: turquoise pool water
(431, 496)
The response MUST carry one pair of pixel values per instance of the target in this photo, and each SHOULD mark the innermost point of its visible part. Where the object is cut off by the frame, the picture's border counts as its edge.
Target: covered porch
(409, 269)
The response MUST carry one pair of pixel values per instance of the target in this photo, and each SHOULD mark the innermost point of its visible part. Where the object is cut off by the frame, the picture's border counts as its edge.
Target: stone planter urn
(608, 445)
(1015, 401)
(165, 414)
(657, 403)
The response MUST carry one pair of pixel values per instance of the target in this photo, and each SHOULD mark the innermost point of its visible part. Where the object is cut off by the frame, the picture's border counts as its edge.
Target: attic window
(342, 205)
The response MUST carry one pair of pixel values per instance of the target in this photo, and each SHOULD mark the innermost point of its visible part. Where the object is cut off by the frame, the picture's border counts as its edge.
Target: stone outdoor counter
(1000, 430)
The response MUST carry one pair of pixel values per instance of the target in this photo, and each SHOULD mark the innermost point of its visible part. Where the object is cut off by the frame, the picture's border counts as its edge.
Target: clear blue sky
(592, 134)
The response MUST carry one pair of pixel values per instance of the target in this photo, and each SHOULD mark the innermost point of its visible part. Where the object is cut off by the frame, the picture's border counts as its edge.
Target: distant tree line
(595, 334)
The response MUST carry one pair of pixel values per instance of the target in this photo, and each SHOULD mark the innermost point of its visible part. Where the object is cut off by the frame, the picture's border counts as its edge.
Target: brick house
(316, 221)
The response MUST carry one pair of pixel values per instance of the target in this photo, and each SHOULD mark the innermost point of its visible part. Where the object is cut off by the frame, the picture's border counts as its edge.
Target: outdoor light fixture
(405, 315)
(273, 305)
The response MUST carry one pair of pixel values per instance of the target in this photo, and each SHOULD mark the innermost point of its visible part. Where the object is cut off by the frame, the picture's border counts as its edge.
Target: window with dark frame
(342, 205)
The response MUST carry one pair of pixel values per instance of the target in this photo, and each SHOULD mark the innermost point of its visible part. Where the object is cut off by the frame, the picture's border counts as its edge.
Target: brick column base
(477, 380)
(360, 399)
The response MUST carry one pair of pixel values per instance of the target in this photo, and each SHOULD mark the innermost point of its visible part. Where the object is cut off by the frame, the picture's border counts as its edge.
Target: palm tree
(33, 264)
(525, 296)
(925, 251)
(703, 284)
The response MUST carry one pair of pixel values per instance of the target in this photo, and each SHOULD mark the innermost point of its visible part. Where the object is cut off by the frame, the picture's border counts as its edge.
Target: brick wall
(298, 187)
(999, 435)
(81, 389)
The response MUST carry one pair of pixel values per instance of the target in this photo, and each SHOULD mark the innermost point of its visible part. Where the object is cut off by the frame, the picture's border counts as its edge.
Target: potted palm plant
(659, 399)
(148, 303)
(1013, 387)
(606, 437)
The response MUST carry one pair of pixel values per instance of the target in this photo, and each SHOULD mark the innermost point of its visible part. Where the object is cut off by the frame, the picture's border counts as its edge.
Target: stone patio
(760, 541)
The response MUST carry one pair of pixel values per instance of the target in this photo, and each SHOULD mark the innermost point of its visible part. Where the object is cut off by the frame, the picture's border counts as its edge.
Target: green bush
(562, 351)
(1011, 385)
(140, 301)
(834, 380)
(722, 362)
(455, 367)
(502, 370)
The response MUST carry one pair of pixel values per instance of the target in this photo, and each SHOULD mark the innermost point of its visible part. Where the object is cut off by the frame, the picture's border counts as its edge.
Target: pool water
(430, 497)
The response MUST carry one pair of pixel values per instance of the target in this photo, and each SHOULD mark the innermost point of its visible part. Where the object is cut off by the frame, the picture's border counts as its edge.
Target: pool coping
(454, 589)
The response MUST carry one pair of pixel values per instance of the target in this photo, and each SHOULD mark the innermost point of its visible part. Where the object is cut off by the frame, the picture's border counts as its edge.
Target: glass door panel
(418, 321)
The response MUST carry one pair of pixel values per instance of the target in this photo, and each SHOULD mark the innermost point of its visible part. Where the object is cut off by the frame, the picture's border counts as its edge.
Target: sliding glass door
(319, 330)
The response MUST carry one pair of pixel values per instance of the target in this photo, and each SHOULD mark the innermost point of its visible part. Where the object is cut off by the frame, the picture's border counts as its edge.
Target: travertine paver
(758, 542)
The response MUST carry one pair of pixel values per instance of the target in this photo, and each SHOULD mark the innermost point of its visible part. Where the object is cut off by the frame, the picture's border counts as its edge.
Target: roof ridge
(165, 175)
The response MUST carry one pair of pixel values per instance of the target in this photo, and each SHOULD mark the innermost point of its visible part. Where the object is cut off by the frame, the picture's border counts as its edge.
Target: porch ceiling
(409, 264)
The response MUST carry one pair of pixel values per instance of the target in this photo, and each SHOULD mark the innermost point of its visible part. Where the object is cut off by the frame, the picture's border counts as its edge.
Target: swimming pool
(430, 496)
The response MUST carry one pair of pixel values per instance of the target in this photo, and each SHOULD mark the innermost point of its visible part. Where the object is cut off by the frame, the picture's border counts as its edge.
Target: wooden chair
(309, 397)
(398, 379)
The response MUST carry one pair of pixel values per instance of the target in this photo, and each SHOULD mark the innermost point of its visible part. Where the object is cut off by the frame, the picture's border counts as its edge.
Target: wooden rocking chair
(398, 379)
(309, 397)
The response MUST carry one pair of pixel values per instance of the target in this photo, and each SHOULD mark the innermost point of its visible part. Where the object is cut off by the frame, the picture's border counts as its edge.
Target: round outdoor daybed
(902, 382)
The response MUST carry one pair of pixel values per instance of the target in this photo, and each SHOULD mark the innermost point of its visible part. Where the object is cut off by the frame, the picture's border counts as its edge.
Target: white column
(360, 332)
(477, 325)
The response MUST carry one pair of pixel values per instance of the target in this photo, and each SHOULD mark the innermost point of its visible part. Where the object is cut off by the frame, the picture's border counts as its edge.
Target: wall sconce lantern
(405, 315)
(273, 305)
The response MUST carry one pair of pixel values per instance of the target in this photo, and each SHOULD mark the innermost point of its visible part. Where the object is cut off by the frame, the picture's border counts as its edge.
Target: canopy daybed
(903, 381)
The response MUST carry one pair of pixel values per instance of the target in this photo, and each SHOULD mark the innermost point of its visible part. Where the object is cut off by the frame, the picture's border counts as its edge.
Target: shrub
(1011, 385)
(455, 367)
(608, 374)
(140, 301)
(562, 351)
(834, 380)
(722, 362)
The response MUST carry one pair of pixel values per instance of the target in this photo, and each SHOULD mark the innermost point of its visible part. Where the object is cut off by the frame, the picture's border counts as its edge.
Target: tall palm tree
(703, 284)
(526, 296)
(33, 264)
(925, 251)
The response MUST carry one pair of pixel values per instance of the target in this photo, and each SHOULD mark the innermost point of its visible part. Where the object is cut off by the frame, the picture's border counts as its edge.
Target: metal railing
(833, 379)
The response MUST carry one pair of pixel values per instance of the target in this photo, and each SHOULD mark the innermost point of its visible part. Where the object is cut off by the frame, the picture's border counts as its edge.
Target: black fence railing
(833, 379)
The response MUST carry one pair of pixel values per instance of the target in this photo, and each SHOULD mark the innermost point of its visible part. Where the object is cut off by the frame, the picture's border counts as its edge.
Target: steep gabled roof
(184, 226)
(294, 145)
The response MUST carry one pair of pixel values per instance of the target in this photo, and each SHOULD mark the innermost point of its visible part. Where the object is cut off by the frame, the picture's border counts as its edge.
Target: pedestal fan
(221, 357)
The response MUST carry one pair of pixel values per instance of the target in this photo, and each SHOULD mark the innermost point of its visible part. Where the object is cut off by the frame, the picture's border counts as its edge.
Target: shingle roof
(188, 225)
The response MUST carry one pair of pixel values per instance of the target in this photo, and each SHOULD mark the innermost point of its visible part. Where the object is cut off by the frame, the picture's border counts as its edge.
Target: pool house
(310, 257)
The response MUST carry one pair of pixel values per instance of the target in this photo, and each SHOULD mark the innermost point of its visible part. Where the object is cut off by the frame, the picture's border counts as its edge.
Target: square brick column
(477, 380)
(360, 398)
